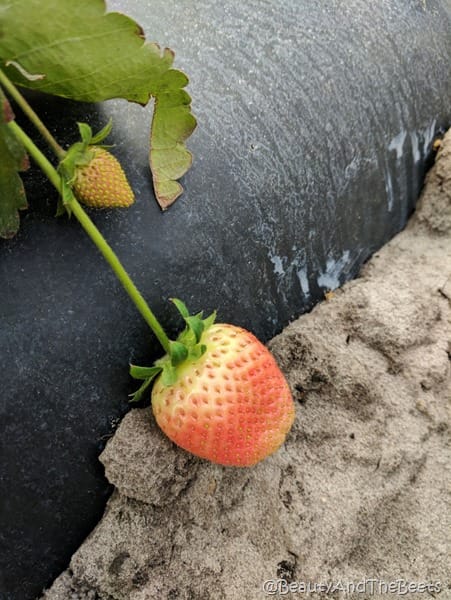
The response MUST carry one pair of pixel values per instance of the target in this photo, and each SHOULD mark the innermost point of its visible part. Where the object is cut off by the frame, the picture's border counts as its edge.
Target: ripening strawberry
(232, 405)
(101, 183)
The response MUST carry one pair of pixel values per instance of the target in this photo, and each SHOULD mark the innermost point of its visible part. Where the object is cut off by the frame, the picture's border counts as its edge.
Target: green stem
(37, 155)
(34, 118)
(94, 234)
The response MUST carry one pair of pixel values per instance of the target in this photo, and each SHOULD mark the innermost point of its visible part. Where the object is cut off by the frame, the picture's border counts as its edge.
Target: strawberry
(228, 402)
(102, 183)
(95, 175)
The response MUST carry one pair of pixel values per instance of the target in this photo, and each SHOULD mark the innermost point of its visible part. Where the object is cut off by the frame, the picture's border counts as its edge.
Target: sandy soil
(359, 492)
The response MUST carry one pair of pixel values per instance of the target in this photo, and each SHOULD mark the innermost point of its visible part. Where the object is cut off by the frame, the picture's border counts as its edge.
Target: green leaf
(13, 159)
(172, 124)
(81, 52)
(76, 50)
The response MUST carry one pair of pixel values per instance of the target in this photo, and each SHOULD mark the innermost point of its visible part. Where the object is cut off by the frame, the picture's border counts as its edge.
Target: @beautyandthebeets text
(369, 587)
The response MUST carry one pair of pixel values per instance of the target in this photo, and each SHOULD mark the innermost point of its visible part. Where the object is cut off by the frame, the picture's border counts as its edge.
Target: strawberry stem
(29, 112)
(73, 205)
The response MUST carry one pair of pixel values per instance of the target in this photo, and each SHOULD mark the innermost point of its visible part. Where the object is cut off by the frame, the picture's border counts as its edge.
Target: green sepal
(67, 195)
(60, 208)
(187, 337)
(181, 307)
(77, 155)
(85, 133)
(102, 134)
(196, 325)
(187, 347)
(197, 351)
(208, 322)
(80, 154)
(64, 200)
(137, 396)
(168, 375)
(144, 372)
(178, 352)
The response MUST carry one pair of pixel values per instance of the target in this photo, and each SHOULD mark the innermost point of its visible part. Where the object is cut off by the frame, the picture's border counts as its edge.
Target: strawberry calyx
(188, 347)
(81, 153)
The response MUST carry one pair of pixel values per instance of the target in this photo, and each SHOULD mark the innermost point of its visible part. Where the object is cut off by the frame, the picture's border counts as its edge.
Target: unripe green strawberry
(101, 183)
(232, 405)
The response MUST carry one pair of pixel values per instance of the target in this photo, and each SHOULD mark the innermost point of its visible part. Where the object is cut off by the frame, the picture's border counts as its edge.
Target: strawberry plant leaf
(172, 124)
(78, 51)
(13, 159)
(82, 52)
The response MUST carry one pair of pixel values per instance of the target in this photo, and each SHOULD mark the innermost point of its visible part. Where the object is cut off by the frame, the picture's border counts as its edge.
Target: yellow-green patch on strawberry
(102, 182)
